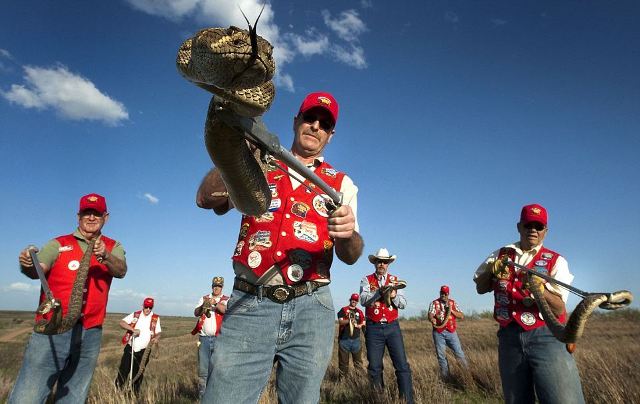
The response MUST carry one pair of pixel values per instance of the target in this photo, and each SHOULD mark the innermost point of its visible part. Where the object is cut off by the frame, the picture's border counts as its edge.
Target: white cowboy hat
(382, 254)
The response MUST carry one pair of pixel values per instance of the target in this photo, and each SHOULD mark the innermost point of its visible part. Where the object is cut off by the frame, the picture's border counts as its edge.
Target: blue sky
(452, 116)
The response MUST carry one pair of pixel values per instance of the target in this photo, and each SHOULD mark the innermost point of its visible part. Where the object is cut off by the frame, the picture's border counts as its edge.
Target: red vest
(440, 311)
(136, 316)
(218, 318)
(509, 293)
(345, 310)
(379, 312)
(62, 274)
(293, 234)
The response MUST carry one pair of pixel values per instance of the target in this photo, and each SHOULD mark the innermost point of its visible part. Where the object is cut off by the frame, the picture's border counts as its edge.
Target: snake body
(143, 362)
(57, 324)
(236, 65)
(570, 332)
(386, 292)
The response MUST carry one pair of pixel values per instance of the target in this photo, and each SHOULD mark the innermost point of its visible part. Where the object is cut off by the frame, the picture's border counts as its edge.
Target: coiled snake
(447, 314)
(236, 65)
(56, 324)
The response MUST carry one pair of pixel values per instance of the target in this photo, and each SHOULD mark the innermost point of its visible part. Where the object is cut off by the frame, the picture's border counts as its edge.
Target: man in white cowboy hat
(382, 328)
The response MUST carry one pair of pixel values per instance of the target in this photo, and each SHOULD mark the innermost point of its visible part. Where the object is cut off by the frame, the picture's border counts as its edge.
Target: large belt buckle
(282, 293)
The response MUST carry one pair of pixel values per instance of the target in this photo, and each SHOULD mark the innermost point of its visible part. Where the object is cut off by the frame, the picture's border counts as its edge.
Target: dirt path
(11, 335)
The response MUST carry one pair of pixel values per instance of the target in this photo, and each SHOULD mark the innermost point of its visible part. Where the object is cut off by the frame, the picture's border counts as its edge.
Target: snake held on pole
(236, 65)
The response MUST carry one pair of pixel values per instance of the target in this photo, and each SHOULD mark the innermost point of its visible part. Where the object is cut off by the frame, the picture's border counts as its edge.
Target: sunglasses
(91, 212)
(383, 261)
(534, 225)
(325, 124)
(147, 307)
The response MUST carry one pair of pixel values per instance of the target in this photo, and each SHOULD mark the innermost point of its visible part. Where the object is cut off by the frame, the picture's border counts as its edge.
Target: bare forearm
(350, 249)
(484, 282)
(117, 267)
(555, 302)
(212, 193)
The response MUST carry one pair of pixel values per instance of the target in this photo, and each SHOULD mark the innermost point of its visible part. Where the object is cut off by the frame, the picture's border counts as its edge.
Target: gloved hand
(498, 268)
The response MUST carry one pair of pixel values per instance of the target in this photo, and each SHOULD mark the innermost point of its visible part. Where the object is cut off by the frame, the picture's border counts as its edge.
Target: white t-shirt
(144, 322)
(209, 327)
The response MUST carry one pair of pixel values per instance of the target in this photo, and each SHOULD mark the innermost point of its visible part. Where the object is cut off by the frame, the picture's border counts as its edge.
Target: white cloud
(354, 56)
(6, 54)
(127, 294)
(70, 95)
(22, 287)
(366, 3)
(451, 17)
(152, 199)
(497, 21)
(348, 25)
(286, 46)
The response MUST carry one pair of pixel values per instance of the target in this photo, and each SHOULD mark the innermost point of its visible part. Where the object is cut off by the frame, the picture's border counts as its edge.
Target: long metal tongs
(50, 302)
(254, 130)
(608, 305)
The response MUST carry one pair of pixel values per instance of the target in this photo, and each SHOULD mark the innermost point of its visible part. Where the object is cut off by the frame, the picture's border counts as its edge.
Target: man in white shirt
(210, 312)
(143, 328)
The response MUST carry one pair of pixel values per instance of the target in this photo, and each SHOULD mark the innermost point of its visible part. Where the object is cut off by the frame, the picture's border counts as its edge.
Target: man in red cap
(69, 356)
(532, 362)
(142, 328)
(350, 319)
(281, 306)
(443, 313)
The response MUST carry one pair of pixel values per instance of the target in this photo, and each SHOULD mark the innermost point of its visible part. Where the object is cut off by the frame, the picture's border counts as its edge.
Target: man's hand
(342, 223)
(498, 268)
(25, 258)
(136, 332)
(100, 250)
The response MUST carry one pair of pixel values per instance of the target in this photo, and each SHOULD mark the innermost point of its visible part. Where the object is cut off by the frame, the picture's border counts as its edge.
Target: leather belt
(278, 293)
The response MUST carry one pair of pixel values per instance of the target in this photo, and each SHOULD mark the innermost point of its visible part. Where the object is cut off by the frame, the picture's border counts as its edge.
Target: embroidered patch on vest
(541, 263)
(502, 314)
(502, 299)
(244, 230)
(527, 318)
(65, 248)
(320, 206)
(260, 240)
(238, 249)
(274, 190)
(300, 209)
(503, 285)
(295, 272)
(254, 259)
(331, 172)
(265, 218)
(547, 256)
(305, 231)
(275, 205)
(73, 265)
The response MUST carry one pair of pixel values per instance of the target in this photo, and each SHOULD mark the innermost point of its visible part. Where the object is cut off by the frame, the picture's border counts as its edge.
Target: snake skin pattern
(395, 285)
(56, 324)
(236, 65)
(570, 332)
(143, 362)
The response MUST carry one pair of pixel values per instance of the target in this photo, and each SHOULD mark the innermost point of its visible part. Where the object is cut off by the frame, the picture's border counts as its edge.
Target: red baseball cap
(355, 296)
(444, 289)
(321, 100)
(93, 201)
(533, 213)
(148, 302)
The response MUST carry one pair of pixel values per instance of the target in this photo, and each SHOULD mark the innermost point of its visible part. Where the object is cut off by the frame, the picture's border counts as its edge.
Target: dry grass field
(607, 357)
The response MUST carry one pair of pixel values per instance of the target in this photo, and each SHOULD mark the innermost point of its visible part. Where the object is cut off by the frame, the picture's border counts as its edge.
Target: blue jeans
(350, 344)
(69, 358)
(205, 351)
(379, 336)
(256, 333)
(445, 339)
(536, 361)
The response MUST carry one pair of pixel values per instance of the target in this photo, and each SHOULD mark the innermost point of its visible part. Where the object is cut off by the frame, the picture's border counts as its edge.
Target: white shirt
(144, 322)
(209, 327)
(560, 270)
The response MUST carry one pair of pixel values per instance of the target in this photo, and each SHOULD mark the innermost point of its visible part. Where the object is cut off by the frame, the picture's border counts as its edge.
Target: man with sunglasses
(442, 314)
(69, 358)
(383, 329)
(142, 328)
(532, 362)
(210, 312)
(281, 309)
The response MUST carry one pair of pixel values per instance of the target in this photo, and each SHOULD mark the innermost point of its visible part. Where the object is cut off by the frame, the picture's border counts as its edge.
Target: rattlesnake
(143, 362)
(446, 318)
(236, 65)
(57, 324)
(570, 332)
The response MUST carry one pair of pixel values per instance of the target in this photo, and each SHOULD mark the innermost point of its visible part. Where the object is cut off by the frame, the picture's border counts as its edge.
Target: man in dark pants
(383, 329)
(351, 321)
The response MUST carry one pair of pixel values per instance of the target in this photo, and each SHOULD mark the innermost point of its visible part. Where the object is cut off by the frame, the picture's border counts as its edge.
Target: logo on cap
(92, 198)
(324, 100)
(536, 210)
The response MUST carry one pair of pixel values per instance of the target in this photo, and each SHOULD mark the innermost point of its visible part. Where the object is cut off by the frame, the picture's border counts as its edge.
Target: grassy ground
(607, 359)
